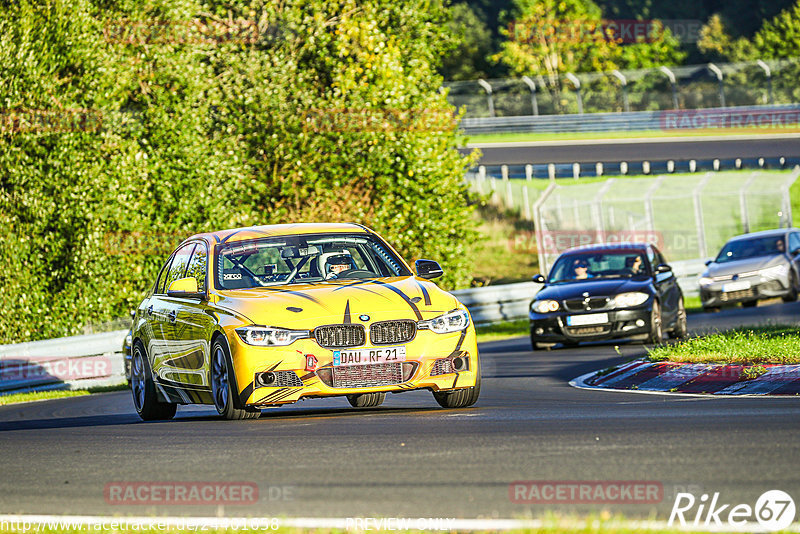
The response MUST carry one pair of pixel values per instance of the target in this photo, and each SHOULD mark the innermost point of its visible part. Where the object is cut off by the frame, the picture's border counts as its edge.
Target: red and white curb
(702, 379)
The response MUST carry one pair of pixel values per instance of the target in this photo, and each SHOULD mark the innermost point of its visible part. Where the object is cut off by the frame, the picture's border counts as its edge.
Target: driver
(337, 264)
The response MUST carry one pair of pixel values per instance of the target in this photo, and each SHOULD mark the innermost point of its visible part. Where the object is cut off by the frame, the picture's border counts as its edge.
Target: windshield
(304, 259)
(576, 267)
(751, 248)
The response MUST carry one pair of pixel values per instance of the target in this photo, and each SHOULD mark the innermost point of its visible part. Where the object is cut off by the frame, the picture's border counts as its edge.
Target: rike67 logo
(774, 510)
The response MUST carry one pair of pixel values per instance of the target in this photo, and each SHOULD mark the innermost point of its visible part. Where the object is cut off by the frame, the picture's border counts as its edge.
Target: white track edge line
(349, 523)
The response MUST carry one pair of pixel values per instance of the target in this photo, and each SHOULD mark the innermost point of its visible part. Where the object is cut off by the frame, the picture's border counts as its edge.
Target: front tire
(463, 397)
(223, 385)
(681, 329)
(145, 398)
(793, 291)
(656, 326)
(366, 400)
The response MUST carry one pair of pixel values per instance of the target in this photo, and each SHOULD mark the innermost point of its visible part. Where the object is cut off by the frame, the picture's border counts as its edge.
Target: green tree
(550, 38)
(128, 126)
(469, 58)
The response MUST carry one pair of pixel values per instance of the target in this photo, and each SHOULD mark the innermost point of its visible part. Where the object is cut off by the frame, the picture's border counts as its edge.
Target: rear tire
(145, 398)
(656, 335)
(366, 400)
(463, 397)
(680, 330)
(223, 385)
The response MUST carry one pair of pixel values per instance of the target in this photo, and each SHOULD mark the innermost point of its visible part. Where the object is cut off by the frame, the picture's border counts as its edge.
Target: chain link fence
(762, 82)
(689, 217)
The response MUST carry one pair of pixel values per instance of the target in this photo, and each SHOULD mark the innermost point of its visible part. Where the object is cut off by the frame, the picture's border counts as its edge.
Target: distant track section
(612, 150)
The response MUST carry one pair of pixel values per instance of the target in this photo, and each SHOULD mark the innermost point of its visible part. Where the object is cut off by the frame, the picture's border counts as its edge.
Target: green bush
(128, 126)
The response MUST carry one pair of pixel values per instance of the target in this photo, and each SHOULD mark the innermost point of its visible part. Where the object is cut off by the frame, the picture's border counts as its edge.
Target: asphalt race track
(626, 150)
(409, 458)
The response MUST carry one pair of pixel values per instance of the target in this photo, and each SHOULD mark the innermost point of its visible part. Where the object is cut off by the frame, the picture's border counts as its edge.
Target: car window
(158, 289)
(198, 266)
(177, 268)
(794, 241)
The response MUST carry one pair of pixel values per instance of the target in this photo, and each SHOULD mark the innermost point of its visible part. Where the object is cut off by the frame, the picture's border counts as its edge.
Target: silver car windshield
(751, 248)
(304, 259)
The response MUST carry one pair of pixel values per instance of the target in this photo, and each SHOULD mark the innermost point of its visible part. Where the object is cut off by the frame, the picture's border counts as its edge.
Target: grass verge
(743, 345)
(504, 330)
(30, 396)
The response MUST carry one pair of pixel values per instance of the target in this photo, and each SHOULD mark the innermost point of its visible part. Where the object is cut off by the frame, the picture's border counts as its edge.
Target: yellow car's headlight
(452, 321)
(268, 336)
(545, 306)
(628, 300)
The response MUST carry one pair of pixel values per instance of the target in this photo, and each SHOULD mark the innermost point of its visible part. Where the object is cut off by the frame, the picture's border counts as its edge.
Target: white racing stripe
(25, 523)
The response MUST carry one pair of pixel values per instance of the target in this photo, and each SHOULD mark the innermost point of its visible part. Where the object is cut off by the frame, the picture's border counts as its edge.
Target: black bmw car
(602, 292)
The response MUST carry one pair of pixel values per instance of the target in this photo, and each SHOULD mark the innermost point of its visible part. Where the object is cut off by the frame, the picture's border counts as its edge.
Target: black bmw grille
(337, 336)
(593, 303)
(389, 332)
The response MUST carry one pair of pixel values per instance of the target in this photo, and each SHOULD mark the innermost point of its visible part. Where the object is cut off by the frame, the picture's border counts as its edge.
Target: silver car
(751, 267)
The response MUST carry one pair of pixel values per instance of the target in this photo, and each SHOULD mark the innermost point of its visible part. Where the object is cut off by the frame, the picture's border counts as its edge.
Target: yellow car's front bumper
(419, 371)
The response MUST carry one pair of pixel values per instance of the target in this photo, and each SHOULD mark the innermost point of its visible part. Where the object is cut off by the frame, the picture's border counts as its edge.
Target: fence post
(621, 77)
(598, 209)
(718, 73)
(671, 76)
(768, 72)
(489, 98)
(743, 203)
(538, 222)
(698, 215)
(577, 83)
(532, 87)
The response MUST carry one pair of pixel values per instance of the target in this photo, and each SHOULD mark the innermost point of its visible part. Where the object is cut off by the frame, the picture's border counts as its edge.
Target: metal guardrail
(491, 304)
(77, 361)
(776, 117)
(96, 360)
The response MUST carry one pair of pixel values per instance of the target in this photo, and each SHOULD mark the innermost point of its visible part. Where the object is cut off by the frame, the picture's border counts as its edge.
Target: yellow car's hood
(305, 306)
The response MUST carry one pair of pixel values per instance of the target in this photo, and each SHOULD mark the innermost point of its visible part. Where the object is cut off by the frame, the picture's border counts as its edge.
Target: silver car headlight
(705, 281)
(777, 271)
(269, 336)
(629, 300)
(545, 306)
(452, 321)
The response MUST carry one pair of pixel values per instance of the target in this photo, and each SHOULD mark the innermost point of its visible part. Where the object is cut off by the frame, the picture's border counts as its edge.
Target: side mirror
(709, 262)
(428, 269)
(183, 287)
(538, 278)
(663, 268)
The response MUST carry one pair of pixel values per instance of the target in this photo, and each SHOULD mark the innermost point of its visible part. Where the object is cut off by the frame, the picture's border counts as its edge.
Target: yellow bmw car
(256, 317)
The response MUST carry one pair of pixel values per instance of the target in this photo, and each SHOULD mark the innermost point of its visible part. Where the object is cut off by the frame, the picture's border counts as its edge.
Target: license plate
(343, 358)
(592, 318)
(735, 286)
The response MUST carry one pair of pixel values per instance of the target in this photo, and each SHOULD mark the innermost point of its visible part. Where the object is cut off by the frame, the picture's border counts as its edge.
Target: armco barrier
(508, 302)
(78, 361)
(773, 118)
(96, 359)
(492, 304)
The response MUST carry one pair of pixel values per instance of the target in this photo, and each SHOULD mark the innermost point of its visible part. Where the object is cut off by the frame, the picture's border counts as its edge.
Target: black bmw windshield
(304, 259)
(593, 265)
